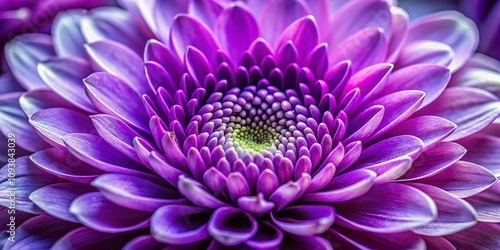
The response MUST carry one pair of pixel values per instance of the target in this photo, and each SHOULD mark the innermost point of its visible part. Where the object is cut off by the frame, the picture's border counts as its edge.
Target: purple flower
(262, 124)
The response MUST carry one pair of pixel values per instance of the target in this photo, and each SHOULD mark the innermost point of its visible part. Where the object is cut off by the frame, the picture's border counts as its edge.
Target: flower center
(258, 119)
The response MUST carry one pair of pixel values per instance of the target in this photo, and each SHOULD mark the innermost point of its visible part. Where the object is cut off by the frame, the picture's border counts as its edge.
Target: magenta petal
(470, 109)
(430, 129)
(64, 165)
(462, 179)
(451, 28)
(305, 220)
(135, 193)
(429, 78)
(68, 39)
(483, 150)
(487, 204)
(112, 95)
(231, 226)
(364, 48)
(39, 232)
(235, 29)
(481, 236)
(24, 53)
(64, 76)
(387, 208)
(369, 240)
(454, 214)
(304, 35)
(180, 224)
(55, 199)
(434, 160)
(200, 37)
(54, 123)
(344, 187)
(98, 213)
(120, 61)
(283, 13)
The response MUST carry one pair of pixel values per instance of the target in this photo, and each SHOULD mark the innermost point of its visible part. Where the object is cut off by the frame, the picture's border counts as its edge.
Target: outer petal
(55, 199)
(454, 214)
(470, 109)
(64, 76)
(86, 238)
(235, 29)
(387, 208)
(24, 53)
(283, 13)
(487, 204)
(369, 240)
(39, 232)
(113, 96)
(98, 213)
(483, 150)
(451, 28)
(462, 179)
(64, 165)
(482, 236)
(53, 124)
(68, 38)
(135, 193)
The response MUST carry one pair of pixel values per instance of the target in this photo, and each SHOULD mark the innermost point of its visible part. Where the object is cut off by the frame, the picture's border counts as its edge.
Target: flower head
(259, 124)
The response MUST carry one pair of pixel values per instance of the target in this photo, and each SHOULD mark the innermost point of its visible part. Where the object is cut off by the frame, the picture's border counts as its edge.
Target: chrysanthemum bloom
(267, 124)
